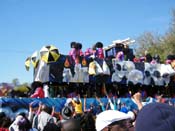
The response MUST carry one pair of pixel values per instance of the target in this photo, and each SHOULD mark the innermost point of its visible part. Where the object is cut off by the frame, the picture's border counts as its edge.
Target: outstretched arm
(84, 106)
(101, 104)
(30, 116)
(138, 99)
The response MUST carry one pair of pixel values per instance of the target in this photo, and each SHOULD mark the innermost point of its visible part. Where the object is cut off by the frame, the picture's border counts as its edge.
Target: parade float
(113, 70)
(99, 66)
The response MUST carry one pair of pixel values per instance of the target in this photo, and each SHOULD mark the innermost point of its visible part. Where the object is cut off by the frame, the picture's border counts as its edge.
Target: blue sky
(27, 25)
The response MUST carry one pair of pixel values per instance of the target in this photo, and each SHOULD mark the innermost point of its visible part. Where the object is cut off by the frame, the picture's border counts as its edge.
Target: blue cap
(156, 117)
(35, 103)
(124, 109)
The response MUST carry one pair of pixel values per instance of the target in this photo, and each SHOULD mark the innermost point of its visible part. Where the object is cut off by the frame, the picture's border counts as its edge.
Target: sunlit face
(122, 125)
(115, 128)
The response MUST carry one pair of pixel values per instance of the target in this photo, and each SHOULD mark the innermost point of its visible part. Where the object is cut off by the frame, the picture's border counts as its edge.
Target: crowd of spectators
(75, 115)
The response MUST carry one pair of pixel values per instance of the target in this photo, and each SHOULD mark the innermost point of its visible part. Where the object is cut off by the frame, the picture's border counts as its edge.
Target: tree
(15, 81)
(148, 41)
(156, 44)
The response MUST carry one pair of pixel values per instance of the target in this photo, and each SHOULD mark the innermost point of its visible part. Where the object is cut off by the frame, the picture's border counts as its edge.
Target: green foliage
(15, 81)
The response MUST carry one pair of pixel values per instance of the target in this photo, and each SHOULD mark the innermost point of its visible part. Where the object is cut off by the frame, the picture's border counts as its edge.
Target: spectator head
(5, 122)
(72, 44)
(68, 102)
(24, 124)
(2, 114)
(66, 113)
(148, 57)
(36, 84)
(46, 108)
(79, 46)
(76, 100)
(51, 127)
(99, 45)
(124, 109)
(35, 103)
(88, 122)
(71, 125)
(156, 117)
(20, 123)
(113, 120)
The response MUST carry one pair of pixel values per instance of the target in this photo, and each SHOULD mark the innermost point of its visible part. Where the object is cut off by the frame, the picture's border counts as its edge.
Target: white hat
(107, 117)
(18, 118)
(76, 99)
(68, 101)
(14, 126)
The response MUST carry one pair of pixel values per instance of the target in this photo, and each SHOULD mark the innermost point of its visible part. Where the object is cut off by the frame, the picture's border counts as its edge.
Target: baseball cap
(66, 113)
(124, 109)
(156, 117)
(68, 100)
(35, 103)
(107, 117)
